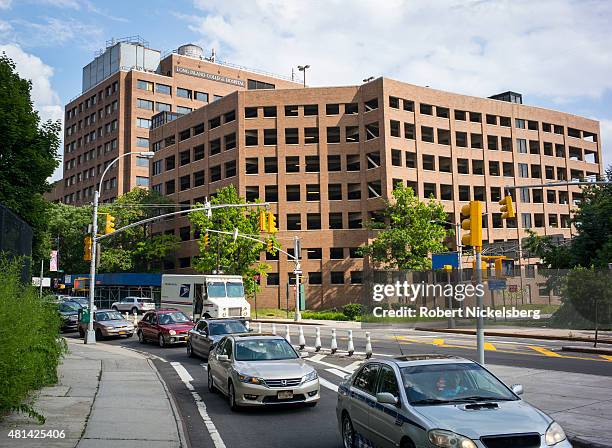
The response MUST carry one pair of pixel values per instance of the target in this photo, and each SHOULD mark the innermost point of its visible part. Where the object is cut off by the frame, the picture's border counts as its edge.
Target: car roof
(245, 336)
(422, 359)
(214, 320)
(106, 310)
(164, 310)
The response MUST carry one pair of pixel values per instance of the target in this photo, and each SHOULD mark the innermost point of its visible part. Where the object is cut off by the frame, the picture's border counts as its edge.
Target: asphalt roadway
(298, 427)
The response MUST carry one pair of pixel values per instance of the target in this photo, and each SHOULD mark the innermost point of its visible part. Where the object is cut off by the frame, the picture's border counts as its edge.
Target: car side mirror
(387, 398)
(223, 358)
(518, 389)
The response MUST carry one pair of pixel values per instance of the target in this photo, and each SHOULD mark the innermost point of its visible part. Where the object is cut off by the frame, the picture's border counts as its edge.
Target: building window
(356, 277)
(183, 110)
(162, 107)
(269, 111)
(215, 173)
(526, 220)
(523, 170)
(292, 164)
(215, 146)
(269, 136)
(294, 221)
(252, 193)
(291, 111)
(250, 112)
(426, 109)
(333, 134)
(201, 96)
(311, 109)
(521, 145)
(351, 108)
(313, 221)
(519, 123)
(315, 278)
(395, 128)
(291, 136)
(198, 178)
(352, 134)
(371, 104)
(144, 104)
(336, 253)
(142, 181)
(170, 163)
(163, 88)
(270, 165)
(144, 85)
(293, 193)
(230, 168)
(332, 109)
(142, 161)
(254, 84)
(271, 193)
(337, 277)
(185, 182)
(230, 141)
(372, 130)
(461, 138)
(272, 279)
(183, 93)
(311, 135)
(143, 123)
(396, 157)
(409, 131)
(394, 102)
(313, 192)
(335, 220)
(250, 137)
(354, 220)
(170, 188)
(157, 167)
(333, 163)
(353, 162)
(312, 164)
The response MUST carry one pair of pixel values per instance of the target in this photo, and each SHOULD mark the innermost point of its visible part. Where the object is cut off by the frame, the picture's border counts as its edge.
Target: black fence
(16, 239)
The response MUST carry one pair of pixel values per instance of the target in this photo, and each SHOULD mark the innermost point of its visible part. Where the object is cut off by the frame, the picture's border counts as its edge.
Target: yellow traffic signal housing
(87, 248)
(472, 223)
(507, 207)
(110, 224)
(269, 246)
(206, 240)
(263, 221)
(272, 223)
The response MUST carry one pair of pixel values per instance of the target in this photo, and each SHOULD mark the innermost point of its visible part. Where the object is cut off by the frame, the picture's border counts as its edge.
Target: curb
(516, 335)
(287, 322)
(179, 423)
(597, 351)
(579, 442)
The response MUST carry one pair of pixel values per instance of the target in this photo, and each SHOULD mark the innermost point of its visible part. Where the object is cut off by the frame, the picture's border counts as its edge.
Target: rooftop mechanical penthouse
(325, 158)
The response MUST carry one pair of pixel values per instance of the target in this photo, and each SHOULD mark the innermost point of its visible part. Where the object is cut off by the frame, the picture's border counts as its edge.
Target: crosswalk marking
(318, 360)
(545, 351)
(337, 372)
(353, 366)
(328, 384)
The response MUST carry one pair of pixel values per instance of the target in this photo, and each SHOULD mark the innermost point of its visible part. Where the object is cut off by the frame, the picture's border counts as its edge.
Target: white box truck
(205, 295)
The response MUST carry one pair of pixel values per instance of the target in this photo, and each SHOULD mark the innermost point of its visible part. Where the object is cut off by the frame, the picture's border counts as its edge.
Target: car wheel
(348, 433)
(115, 308)
(98, 335)
(211, 384)
(231, 396)
(141, 338)
(406, 443)
(160, 340)
(134, 310)
(190, 350)
(129, 335)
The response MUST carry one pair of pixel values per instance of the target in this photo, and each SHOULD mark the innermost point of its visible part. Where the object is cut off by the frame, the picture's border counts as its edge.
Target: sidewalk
(106, 396)
(581, 403)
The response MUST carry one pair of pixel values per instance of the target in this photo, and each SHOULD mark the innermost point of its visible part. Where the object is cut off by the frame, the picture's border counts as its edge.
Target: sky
(557, 53)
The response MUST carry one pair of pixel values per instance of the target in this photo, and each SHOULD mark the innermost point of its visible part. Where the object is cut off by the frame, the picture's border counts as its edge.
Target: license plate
(122, 332)
(285, 394)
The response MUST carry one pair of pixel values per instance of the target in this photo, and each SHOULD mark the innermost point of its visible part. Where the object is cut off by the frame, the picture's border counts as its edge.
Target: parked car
(82, 301)
(69, 312)
(108, 323)
(166, 326)
(208, 332)
(261, 370)
(438, 401)
(134, 305)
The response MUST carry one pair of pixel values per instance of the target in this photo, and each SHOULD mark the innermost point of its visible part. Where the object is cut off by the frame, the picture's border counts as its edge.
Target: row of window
(91, 119)
(142, 103)
(476, 117)
(92, 101)
(181, 92)
(294, 110)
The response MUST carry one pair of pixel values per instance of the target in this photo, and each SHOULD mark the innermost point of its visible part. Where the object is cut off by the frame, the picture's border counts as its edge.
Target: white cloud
(5, 4)
(556, 49)
(53, 32)
(606, 142)
(45, 98)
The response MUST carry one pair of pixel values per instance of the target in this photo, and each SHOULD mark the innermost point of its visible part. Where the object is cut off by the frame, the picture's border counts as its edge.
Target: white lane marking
(337, 372)
(147, 354)
(317, 359)
(210, 426)
(328, 384)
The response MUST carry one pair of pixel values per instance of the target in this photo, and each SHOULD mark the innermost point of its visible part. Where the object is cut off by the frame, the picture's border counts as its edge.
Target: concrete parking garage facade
(327, 158)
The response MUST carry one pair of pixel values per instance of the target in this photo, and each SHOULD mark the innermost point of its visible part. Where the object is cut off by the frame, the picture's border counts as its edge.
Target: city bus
(207, 296)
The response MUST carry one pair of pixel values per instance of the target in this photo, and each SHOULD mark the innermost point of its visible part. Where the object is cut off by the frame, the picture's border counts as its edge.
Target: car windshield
(216, 289)
(229, 327)
(451, 383)
(80, 301)
(108, 315)
(69, 306)
(173, 318)
(264, 350)
(235, 289)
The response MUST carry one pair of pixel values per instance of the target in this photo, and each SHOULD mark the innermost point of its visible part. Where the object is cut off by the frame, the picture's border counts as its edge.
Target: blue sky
(558, 53)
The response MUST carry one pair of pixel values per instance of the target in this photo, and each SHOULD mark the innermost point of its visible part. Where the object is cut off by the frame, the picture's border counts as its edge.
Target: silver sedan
(261, 369)
(438, 401)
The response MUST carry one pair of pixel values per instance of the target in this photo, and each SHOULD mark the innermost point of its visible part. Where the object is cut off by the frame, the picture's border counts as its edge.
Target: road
(298, 427)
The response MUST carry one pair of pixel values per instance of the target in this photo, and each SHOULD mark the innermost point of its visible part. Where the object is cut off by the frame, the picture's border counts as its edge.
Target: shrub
(30, 345)
(324, 315)
(352, 310)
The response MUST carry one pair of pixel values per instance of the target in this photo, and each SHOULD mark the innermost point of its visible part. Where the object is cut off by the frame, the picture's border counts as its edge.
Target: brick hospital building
(325, 158)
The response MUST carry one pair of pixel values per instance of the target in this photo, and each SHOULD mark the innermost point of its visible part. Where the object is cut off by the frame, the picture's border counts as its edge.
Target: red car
(164, 326)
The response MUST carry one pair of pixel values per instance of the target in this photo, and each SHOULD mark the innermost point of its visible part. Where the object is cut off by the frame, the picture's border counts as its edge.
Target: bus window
(235, 289)
(216, 289)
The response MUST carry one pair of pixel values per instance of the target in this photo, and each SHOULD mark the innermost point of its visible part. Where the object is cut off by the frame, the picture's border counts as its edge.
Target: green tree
(240, 257)
(136, 249)
(67, 225)
(28, 154)
(411, 232)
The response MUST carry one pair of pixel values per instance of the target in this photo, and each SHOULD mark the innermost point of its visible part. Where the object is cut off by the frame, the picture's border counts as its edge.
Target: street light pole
(303, 68)
(90, 337)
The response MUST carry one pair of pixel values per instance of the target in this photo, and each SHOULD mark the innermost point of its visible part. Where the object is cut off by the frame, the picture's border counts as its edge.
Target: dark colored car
(208, 332)
(84, 302)
(165, 326)
(69, 312)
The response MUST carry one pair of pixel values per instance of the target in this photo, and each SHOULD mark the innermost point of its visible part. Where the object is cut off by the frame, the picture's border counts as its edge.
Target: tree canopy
(28, 154)
(240, 257)
(411, 232)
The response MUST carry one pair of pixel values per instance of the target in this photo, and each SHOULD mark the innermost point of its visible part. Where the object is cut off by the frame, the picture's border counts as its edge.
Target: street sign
(496, 284)
(512, 288)
(438, 261)
(297, 272)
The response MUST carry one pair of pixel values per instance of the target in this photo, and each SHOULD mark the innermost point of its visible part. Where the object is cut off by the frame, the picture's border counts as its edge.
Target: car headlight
(310, 377)
(448, 439)
(172, 332)
(554, 434)
(250, 379)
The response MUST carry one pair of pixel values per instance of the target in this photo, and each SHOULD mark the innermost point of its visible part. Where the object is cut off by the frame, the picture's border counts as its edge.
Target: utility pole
(297, 247)
(303, 68)
(42, 266)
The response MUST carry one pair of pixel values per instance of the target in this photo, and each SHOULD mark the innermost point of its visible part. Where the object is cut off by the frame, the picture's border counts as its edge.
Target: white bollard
(368, 349)
(287, 334)
(127, 316)
(135, 319)
(334, 343)
(301, 339)
(259, 327)
(247, 324)
(274, 329)
(318, 340)
(351, 347)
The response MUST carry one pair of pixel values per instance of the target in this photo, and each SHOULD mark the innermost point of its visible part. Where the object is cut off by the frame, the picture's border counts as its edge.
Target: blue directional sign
(450, 258)
(496, 284)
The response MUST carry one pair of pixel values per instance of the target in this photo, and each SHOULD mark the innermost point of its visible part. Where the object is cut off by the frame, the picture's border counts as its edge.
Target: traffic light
(272, 223)
(507, 207)
(109, 227)
(473, 223)
(263, 221)
(87, 248)
(269, 246)
(206, 240)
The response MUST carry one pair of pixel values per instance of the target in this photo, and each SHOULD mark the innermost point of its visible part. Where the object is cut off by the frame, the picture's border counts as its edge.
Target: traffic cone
(318, 340)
